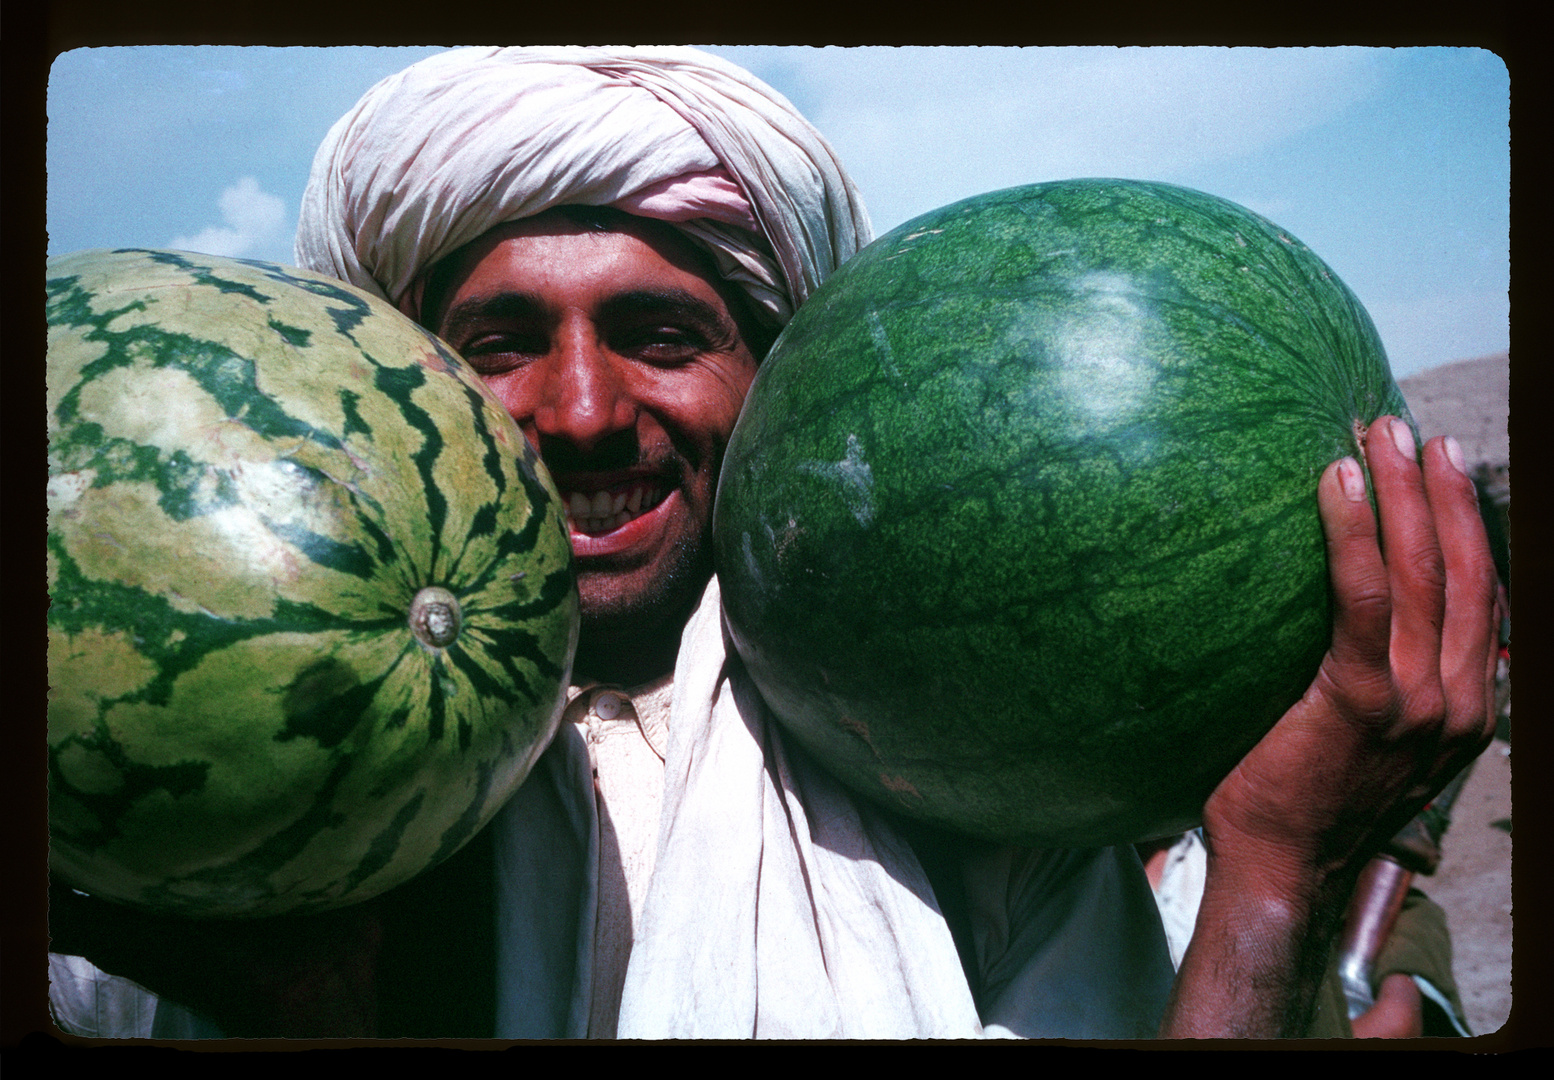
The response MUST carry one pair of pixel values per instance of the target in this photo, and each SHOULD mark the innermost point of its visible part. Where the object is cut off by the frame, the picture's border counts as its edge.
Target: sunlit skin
(621, 357)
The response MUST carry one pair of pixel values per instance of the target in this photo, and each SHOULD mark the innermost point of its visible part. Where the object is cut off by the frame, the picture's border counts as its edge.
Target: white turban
(442, 152)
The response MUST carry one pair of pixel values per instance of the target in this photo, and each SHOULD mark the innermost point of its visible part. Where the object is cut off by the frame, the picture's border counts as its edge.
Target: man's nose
(584, 399)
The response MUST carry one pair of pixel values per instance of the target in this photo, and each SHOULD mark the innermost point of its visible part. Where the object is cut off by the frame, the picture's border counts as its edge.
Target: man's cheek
(510, 389)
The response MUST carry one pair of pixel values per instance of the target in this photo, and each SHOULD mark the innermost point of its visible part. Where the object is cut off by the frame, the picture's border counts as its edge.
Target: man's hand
(1401, 703)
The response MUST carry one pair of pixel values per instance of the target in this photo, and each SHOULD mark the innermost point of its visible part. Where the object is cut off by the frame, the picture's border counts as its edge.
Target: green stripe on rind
(248, 875)
(177, 640)
(384, 845)
(398, 384)
(354, 424)
(346, 558)
(474, 816)
(203, 274)
(139, 780)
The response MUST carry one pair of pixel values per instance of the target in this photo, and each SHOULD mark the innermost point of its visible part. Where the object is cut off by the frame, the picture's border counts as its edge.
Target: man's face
(623, 364)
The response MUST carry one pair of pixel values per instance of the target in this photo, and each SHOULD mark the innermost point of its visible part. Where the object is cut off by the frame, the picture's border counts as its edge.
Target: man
(675, 869)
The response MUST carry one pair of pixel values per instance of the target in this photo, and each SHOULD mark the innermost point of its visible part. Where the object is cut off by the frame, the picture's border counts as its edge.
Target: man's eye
(501, 352)
(662, 343)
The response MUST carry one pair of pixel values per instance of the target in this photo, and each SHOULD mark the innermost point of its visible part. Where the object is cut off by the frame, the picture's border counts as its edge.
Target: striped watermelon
(312, 607)
(1018, 530)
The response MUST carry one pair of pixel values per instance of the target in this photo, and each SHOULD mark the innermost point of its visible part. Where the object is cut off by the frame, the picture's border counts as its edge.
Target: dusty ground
(1470, 400)
(1473, 884)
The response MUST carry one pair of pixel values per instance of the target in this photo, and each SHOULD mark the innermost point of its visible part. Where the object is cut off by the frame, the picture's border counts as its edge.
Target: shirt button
(607, 706)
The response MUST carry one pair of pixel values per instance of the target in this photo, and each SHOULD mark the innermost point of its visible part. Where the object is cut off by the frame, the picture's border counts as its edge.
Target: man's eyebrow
(476, 309)
(661, 303)
(670, 302)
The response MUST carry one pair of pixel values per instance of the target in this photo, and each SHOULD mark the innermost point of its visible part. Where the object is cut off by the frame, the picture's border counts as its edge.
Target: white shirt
(779, 905)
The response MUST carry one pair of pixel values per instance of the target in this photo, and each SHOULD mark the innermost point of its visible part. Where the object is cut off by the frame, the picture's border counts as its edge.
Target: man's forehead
(524, 255)
(593, 221)
(507, 262)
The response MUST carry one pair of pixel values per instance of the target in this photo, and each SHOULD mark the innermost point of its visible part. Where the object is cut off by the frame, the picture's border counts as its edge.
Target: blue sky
(1393, 165)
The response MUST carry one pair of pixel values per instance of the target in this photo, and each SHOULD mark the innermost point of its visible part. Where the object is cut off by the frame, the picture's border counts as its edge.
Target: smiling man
(613, 238)
(625, 360)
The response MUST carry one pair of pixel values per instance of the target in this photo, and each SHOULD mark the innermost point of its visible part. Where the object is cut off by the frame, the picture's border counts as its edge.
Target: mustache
(618, 450)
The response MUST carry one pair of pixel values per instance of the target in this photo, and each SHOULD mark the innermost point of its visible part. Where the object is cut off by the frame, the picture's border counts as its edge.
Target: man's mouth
(606, 509)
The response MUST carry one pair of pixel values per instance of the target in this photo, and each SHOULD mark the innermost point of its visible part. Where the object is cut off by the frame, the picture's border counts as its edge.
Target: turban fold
(438, 154)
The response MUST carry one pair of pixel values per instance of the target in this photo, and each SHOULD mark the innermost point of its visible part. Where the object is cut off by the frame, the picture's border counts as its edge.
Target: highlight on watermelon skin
(312, 604)
(1018, 530)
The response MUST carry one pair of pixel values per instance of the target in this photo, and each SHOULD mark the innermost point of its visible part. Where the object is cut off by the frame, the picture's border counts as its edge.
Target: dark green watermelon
(312, 604)
(1018, 530)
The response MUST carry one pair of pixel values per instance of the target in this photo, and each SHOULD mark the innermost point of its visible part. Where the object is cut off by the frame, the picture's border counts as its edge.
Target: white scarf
(438, 154)
(782, 907)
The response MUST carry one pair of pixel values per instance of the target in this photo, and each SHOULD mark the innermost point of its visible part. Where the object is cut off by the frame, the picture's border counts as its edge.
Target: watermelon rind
(1018, 529)
(254, 472)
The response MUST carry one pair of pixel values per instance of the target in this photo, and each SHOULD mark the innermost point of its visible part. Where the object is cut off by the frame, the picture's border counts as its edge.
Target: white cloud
(254, 218)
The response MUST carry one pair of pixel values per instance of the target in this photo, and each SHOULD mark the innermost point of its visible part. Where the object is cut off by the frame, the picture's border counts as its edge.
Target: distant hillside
(1471, 400)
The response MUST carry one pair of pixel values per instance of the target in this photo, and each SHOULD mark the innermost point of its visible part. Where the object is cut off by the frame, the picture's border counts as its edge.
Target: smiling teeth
(606, 511)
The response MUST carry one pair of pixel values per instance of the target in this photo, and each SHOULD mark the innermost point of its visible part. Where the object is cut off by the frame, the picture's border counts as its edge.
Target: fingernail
(1402, 438)
(1454, 455)
(1351, 479)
